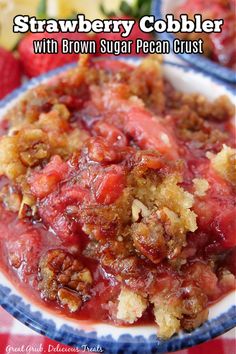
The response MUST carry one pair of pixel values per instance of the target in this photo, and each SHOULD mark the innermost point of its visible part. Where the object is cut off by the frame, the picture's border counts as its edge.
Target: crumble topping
(167, 317)
(201, 186)
(34, 144)
(104, 180)
(139, 208)
(130, 306)
(186, 311)
(225, 163)
(63, 277)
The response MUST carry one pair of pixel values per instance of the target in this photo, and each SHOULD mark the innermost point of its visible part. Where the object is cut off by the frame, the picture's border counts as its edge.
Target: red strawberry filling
(119, 193)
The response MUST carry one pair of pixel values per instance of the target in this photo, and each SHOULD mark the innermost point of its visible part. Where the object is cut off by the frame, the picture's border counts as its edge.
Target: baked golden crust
(124, 179)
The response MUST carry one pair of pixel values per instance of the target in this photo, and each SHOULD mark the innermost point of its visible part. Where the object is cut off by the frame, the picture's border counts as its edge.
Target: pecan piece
(64, 278)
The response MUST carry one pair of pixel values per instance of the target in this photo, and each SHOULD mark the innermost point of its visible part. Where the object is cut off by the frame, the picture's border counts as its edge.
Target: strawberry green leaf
(105, 12)
(135, 10)
(42, 9)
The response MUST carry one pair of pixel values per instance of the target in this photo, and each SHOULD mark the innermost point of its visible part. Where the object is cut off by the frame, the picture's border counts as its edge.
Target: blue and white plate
(160, 8)
(135, 339)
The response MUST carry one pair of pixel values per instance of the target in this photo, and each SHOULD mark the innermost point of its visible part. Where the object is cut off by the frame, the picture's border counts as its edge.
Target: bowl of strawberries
(219, 58)
(117, 205)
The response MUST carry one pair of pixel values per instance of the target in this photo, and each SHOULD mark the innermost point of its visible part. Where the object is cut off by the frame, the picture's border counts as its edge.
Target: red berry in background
(224, 50)
(37, 64)
(221, 45)
(10, 72)
(135, 34)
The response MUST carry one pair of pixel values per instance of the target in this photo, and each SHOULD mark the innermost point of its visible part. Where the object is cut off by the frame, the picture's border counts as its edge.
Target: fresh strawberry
(10, 72)
(218, 46)
(36, 64)
(135, 34)
(223, 50)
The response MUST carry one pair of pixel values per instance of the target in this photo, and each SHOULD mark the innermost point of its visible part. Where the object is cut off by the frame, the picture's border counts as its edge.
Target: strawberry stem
(136, 10)
(42, 9)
